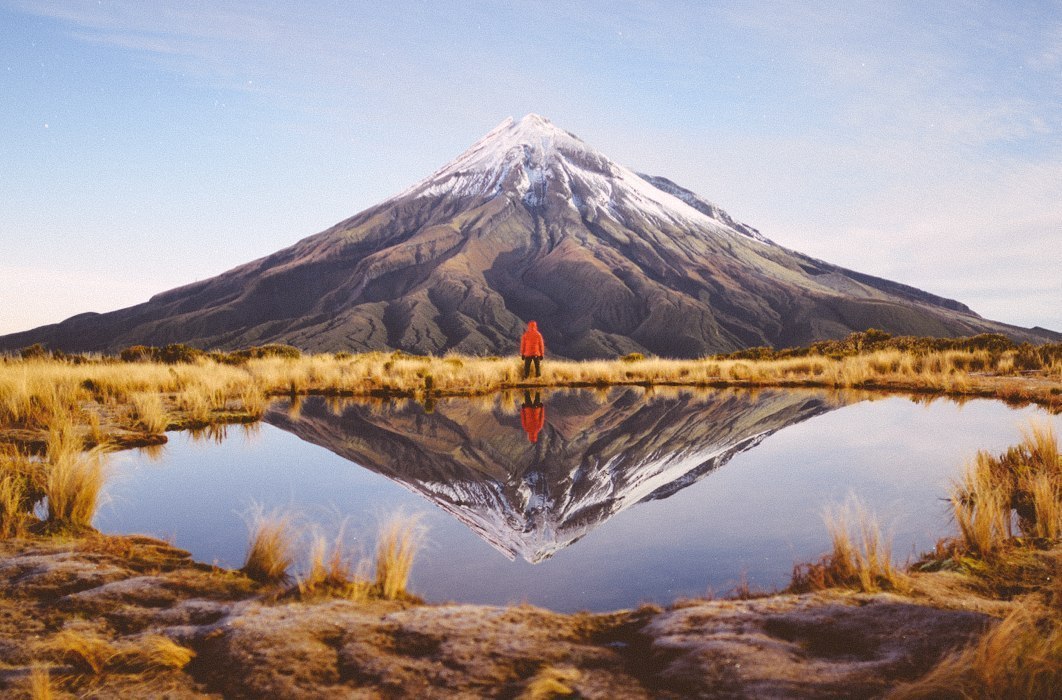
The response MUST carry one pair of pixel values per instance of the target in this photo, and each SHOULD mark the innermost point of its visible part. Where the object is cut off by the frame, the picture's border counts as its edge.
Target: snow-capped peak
(540, 163)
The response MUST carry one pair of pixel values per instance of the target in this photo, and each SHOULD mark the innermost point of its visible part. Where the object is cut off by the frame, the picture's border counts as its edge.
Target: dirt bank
(89, 612)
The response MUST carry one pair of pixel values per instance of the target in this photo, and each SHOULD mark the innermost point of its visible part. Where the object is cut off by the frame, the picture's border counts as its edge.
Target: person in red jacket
(532, 349)
(532, 416)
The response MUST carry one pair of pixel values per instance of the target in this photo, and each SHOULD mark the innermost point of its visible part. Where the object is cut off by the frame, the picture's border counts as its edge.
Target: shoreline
(246, 641)
(86, 613)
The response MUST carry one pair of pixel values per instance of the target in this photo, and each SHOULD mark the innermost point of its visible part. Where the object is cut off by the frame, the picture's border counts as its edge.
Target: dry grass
(149, 412)
(981, 506)
(862, 561)
(551, 682)
(89, 652)
(197, 406)
(334, 571)
(34, 391)
(40, 683)
(1026, 479)
(254, 401)
(154, 652)
(21, 481)
(85, 651)
(13, 515)
(271, 551)
(1020, 657)
(74, 477)
(396, 547)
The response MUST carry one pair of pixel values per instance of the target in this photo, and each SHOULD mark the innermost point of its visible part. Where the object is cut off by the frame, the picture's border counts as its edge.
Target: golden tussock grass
(86, 651)
(33, 391)
(40, 683)
(334, 571)
(551, 682)
(196, 404)
(13, 515)
(253, 401)
(271, 551)
(21, 480)
(862, 560)
(153, 652)
(74, 477)
(1026, 480)
(89, 652)
(1020, 657)
(150, 413)
(981, 506)
(396, 547)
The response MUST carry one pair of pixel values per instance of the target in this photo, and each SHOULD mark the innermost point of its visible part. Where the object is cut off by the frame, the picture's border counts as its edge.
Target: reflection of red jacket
(532, 345)
(533, 418)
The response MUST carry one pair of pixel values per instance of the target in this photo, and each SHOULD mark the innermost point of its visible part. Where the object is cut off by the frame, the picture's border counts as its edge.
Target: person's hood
(532, 325)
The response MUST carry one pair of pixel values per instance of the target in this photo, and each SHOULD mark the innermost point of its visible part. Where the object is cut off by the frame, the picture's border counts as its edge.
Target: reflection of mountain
(597, 454)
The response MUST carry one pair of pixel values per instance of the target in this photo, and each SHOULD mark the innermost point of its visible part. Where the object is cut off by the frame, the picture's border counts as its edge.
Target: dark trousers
(527, 366)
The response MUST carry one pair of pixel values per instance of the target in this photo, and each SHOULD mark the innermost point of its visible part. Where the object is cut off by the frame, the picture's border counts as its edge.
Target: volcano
(529, 223)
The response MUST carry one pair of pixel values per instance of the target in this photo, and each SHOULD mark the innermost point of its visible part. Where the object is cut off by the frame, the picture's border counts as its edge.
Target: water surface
(574, 499)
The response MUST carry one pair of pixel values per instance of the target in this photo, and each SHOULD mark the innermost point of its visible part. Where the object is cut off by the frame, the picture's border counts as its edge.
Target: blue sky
(145, 145)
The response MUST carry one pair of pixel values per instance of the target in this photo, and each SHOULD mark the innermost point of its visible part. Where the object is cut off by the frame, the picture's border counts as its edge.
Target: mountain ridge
(528, 223)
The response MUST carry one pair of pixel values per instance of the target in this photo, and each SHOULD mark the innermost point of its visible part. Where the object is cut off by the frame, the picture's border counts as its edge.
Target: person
(532, 349)
(532, 416)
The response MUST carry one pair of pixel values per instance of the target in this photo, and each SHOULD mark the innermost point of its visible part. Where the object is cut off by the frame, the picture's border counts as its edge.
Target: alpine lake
(572, 499)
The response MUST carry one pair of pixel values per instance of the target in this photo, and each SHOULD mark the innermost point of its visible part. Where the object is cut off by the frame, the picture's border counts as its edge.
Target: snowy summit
(534, 159)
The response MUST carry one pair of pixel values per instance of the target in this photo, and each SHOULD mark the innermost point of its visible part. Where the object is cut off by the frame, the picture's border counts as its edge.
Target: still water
(573, 500)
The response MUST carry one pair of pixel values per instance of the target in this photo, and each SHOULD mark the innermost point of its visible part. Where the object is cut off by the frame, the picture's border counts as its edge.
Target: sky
(146, 145)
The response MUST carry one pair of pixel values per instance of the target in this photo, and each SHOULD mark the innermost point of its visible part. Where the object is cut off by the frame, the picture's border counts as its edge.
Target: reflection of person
(532, 416)
(532, 349)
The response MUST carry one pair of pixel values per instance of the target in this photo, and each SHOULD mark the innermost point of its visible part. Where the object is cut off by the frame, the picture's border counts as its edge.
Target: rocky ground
(90, 612)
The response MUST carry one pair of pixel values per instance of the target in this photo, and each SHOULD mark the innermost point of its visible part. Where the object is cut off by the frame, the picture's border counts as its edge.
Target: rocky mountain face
(595, 455)
(528, 223)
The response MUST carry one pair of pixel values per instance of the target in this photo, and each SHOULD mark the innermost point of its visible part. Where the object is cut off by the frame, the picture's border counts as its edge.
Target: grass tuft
(13, 515)
(271, 551)
(254, 401)
(551, 682)
(149, 413)
(862, 561)
(40, 683)
(83, 650)
(74, 478)
(1020, 657)
(1026, 479)
(396, 547)
(155, 652)
(334, 571)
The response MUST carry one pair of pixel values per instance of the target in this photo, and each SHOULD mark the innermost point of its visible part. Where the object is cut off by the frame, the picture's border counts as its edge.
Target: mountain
(528, 223)
(598, 454)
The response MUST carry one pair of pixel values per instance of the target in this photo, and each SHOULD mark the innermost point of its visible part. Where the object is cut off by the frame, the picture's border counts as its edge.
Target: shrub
(178, 353)
(139, 353)
(34, 352)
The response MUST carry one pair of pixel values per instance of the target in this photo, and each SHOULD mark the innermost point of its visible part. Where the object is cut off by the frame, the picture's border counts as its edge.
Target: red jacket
(532, 345)
(533, 419)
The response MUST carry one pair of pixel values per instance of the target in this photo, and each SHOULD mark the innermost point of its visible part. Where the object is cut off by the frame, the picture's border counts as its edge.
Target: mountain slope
(528, 223)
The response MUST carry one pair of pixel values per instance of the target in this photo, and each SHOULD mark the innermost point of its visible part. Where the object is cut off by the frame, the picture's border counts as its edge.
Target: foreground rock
(120, 595)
